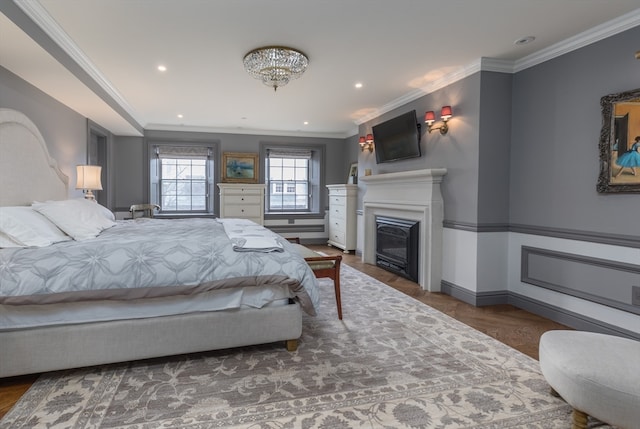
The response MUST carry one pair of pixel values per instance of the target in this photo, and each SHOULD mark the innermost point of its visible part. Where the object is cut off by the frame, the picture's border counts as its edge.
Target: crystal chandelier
(275, 65)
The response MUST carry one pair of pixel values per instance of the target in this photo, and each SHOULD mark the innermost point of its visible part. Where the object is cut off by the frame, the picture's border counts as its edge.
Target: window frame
(178, 181)
(281, 187)
(317, 180)
(154, 175)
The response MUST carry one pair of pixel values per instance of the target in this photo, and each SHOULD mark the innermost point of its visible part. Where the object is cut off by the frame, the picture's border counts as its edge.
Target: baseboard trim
(551, 312)
(568, 318)
(477, 299)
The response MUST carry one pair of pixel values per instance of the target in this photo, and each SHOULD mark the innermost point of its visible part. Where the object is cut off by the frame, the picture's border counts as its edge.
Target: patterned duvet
(149, 258)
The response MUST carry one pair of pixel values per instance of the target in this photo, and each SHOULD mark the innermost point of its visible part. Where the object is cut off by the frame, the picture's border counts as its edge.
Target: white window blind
(183, 152)
(289, 153)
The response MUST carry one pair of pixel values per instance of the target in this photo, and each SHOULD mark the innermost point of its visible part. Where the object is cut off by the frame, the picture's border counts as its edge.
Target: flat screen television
(397, 138)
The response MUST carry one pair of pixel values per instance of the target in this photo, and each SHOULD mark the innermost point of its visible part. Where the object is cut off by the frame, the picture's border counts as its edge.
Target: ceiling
(100, 57)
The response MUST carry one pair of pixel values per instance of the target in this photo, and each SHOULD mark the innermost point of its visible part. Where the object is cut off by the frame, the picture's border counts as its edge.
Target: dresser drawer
(336, 226)
(243, 199)
(337, 214)
(337, 235)
(337, 201)
(242, 211)
(338, 192)
(242, 191)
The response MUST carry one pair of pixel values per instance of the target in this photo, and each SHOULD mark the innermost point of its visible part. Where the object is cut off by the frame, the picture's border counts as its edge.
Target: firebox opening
(397, 246)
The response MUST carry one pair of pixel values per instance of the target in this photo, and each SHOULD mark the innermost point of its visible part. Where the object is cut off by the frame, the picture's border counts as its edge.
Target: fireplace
(397, 246)
(409, 195)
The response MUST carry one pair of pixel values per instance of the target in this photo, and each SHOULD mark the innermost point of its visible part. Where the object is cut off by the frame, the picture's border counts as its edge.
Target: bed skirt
(37, 350)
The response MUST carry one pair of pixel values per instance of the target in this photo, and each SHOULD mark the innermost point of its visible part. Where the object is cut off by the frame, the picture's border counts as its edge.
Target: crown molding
(595, 34)
(39, 15)
(600, 32)
(459, 74)
(248, 131)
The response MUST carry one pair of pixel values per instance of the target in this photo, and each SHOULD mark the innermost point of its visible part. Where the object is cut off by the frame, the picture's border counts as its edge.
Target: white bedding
(148, 259)
(32, 316)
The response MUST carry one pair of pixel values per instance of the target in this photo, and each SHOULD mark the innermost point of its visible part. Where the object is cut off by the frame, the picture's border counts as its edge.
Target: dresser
(241, 200)
(342, 216)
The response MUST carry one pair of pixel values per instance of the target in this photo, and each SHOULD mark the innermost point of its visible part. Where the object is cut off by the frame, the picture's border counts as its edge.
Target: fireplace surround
(410, 195)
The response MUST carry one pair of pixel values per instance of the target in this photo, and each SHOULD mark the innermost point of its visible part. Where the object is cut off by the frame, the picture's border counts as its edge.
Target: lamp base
(89, 195)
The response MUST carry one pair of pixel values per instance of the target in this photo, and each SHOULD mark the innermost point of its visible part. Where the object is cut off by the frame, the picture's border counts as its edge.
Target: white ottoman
(597, 374)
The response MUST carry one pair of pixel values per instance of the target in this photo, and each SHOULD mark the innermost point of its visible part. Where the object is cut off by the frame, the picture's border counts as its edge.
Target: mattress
(14, 317)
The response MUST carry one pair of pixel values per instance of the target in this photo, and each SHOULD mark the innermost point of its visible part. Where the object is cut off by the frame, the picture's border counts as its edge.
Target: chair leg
(580, 419)
(336, 286)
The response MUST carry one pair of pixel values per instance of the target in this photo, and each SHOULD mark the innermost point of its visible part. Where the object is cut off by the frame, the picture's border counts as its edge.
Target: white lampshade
(89, 179)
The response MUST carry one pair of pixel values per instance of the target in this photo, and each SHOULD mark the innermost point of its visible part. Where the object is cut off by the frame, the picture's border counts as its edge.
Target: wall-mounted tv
(397, 138)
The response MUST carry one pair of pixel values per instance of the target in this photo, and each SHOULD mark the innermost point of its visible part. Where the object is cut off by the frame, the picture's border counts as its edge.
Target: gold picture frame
(239, 167)
(352, 178)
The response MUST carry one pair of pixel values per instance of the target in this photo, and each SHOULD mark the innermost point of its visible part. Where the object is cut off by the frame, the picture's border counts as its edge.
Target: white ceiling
(397, 49)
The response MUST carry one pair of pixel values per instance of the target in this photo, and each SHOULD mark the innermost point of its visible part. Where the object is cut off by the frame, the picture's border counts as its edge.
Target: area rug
(393, 362)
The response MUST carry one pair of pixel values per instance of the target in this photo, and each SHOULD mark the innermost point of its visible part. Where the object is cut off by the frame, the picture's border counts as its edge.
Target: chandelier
(275, 65)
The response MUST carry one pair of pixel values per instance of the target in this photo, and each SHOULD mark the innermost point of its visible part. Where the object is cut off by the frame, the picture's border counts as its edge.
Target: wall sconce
(88, 179)
(445, 115)
(366, 143)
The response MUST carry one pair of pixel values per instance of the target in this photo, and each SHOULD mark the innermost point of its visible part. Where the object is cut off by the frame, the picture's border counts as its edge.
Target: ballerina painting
(630, 159)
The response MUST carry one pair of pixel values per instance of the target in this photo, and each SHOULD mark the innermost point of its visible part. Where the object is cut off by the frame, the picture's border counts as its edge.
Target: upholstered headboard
(27, 171)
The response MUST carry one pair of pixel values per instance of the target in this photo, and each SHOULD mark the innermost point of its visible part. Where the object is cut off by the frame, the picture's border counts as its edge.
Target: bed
(138, 289)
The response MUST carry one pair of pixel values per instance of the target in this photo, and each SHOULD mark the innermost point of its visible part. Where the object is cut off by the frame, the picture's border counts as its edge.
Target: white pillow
(26, 227)
(6, 242)
(80, 218)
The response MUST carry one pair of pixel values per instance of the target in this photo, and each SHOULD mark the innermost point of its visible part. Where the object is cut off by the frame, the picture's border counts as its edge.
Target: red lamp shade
(446, 113)
(429, 117)
(361, 140)
(369, 138)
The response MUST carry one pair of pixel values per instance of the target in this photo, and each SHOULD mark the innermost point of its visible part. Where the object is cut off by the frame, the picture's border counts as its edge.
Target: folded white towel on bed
(256, 244)
(247, 236)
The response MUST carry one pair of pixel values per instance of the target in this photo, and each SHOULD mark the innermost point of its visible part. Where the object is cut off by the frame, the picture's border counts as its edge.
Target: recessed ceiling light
(524, 40)
(162, 68)
(358, 85)
(180, 115)
(306, 122)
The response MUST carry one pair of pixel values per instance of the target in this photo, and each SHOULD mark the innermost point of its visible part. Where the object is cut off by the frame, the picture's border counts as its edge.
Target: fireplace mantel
(413, 195)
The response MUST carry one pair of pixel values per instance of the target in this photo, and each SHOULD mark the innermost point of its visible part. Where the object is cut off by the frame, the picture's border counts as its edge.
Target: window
(183, 184)
(294, 175)
(184, 179)
(288, 178)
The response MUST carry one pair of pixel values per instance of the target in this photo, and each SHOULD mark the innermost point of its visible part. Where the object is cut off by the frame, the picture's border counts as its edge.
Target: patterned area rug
(393, 362)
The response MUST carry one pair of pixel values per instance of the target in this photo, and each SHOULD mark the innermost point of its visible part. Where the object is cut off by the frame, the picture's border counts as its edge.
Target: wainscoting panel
(598, 280)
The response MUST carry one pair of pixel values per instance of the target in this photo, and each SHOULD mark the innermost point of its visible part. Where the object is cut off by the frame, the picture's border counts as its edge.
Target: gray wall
(129, 157)
(458, 151)
(554, 143)
(494, 144)
(64, 130)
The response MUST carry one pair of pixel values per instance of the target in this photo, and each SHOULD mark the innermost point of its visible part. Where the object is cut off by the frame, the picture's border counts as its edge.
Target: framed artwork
(352, 178)
(620, 143)
(239, 167)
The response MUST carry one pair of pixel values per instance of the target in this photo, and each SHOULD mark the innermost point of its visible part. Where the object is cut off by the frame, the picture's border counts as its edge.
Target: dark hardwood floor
(514, 327)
